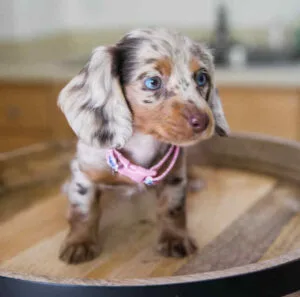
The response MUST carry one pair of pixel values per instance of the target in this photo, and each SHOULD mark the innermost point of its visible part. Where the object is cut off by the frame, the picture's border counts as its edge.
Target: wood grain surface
(239, 217)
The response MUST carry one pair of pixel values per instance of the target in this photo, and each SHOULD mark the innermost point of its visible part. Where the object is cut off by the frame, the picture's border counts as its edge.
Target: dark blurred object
(223, 44)
(297, 42)
(221, 41)
(264, 56)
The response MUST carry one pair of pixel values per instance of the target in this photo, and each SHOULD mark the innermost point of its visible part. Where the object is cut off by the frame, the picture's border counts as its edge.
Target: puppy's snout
(198, 121)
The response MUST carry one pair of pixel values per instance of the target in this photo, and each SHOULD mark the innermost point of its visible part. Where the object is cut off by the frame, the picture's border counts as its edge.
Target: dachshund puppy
(148, 96)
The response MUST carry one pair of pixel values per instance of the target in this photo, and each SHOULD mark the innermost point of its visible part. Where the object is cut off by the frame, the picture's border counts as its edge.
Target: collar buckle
(119, 164)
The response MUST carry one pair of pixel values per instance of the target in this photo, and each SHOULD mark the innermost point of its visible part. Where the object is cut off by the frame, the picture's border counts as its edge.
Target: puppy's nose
(198, 121)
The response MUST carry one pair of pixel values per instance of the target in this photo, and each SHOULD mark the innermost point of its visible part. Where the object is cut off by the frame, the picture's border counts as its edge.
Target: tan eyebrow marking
(194, 65)
(164, 66)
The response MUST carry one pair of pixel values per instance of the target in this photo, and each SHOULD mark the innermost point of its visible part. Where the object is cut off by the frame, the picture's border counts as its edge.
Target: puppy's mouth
(184, 142)
(184, 135)
(175, 123)
(193, 126)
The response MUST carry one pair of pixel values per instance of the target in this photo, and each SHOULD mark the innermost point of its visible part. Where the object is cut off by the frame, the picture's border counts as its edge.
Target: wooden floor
(237, 218)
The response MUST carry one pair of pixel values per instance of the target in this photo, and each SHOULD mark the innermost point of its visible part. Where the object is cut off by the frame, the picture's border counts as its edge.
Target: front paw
(170, 245)
(75, 251)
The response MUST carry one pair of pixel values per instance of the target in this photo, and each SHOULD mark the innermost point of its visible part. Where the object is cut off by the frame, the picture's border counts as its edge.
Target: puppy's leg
(81, 243)
(173, 237)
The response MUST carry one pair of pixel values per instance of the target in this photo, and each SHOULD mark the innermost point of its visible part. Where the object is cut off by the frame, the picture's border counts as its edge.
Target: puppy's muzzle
(197, 119)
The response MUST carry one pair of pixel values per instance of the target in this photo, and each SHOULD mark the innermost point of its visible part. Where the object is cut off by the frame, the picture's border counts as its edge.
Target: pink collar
(139, 174)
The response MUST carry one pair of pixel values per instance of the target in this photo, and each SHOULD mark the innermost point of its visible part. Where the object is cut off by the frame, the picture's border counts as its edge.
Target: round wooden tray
(245, 219)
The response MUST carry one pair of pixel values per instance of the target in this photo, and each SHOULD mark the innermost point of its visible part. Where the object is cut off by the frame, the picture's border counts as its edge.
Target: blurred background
(44, 43)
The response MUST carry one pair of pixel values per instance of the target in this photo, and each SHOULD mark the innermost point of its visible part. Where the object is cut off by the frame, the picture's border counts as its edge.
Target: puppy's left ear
(221, 125)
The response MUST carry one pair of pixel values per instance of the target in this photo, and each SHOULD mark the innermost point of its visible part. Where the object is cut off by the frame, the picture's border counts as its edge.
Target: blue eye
(153, 83)
(201, 78)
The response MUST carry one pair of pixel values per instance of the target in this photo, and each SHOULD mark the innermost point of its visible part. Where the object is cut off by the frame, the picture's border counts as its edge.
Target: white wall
(249, 13)
(244, 13)
(30, 18)
(6, 19)
(113, 13)
(36, 17)
(25, 19)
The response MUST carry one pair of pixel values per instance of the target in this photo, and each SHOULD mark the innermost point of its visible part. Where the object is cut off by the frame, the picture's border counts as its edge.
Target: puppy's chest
(141, 151)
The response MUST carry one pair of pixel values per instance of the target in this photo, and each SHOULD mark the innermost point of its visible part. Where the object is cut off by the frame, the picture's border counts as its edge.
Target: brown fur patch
(164, 66)
(171, 214)
(171, 198)
(81, 243)
(194, 65)
(174, 128)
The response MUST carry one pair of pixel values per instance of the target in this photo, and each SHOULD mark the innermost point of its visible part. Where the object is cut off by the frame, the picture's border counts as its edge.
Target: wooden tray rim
(276, 265)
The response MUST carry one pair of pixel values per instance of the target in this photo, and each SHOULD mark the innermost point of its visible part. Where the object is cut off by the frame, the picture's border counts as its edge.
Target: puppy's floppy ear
(221, 128)
(94, 104)
(214, 101)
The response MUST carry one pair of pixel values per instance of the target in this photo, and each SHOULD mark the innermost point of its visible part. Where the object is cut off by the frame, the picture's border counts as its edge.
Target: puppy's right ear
(94, 104)
(221, 126)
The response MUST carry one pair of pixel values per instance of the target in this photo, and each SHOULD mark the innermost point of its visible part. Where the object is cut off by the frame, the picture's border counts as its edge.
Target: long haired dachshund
(144, 98)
